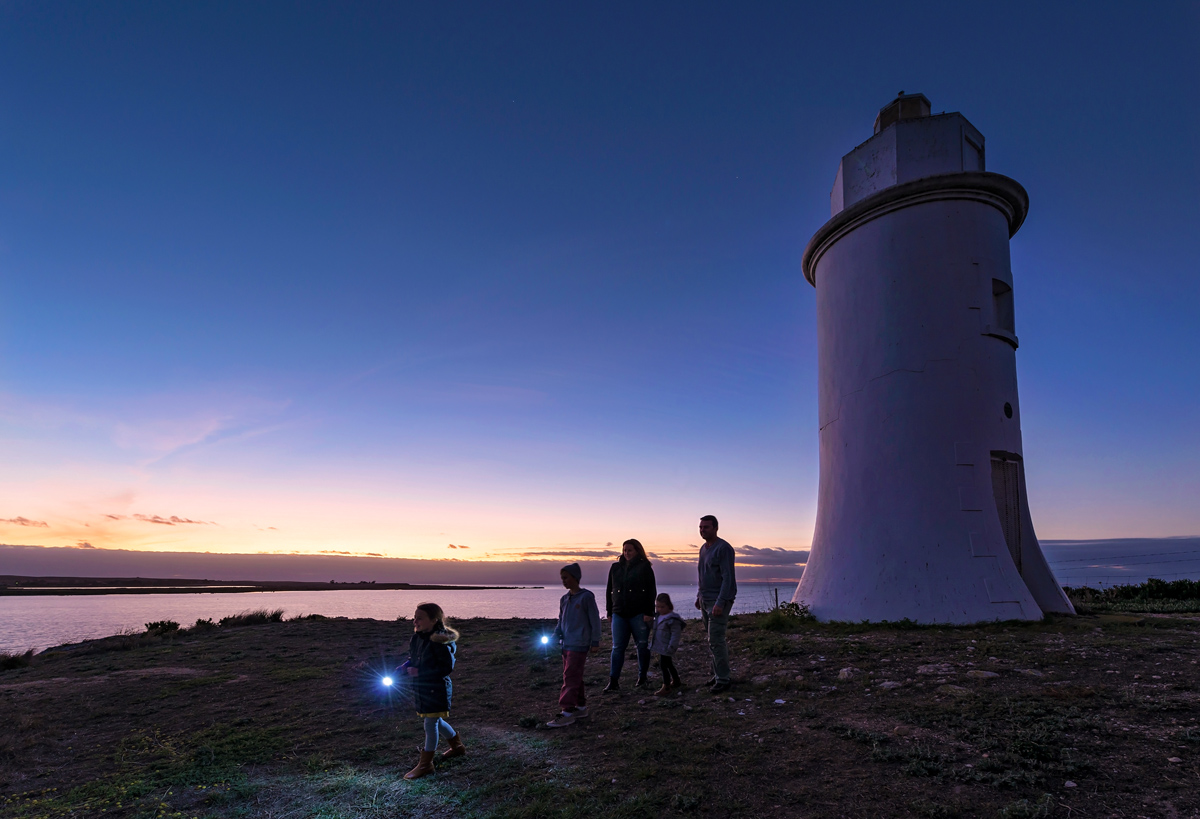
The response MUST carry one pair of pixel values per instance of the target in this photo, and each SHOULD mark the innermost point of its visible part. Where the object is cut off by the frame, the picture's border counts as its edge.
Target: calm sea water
(41, 622)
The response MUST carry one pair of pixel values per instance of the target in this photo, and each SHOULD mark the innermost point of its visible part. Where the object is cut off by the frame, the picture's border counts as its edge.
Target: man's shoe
(662, 692)
(580, 712)
(718, 687)
(641, 682)
(614, 684)
(561, 721)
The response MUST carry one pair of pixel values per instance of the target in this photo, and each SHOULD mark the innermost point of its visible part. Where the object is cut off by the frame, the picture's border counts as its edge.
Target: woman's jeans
(622, 628)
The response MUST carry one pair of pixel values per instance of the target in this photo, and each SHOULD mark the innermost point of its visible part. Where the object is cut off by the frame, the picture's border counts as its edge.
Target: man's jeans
(622, 628)
(714, 626)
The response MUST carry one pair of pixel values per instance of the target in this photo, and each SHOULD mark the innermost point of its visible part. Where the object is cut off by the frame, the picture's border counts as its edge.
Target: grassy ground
(286, 719)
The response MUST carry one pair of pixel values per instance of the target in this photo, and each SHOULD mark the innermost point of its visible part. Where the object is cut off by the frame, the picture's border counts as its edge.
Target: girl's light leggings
(431, 731)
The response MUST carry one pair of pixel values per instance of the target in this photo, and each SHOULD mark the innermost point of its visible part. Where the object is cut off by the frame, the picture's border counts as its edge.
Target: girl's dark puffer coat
(631, 588)
(432, 654)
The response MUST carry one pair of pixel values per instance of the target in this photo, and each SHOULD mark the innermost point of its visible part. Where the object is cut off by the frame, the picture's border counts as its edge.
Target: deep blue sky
(389, 277)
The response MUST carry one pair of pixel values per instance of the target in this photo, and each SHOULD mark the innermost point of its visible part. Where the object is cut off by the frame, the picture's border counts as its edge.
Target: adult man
(714, 598)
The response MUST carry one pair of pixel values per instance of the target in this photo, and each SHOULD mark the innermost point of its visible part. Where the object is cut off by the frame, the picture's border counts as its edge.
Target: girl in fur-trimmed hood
(664, 641)
(430, 661)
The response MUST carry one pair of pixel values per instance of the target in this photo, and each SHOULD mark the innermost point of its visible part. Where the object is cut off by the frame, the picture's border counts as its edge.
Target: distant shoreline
(15, 586)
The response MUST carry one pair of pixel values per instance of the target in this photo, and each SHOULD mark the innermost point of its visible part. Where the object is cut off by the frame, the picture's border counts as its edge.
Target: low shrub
(11, 660)
(786, 617)
(1159, 596)
(162, 627)
(252, 618)
(203, 625)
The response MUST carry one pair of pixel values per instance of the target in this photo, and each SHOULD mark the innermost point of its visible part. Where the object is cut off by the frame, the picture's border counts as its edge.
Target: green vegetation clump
(1024, 809)
(252, 618)
(1153, 596)
(786, 617)
(162, 627)
(11, 660)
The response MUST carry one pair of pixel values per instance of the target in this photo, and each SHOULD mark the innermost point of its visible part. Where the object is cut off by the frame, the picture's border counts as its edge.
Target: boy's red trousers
(572, 694)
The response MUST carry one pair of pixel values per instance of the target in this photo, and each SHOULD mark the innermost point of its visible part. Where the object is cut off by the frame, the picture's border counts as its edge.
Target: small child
(668, 628)
(430, 661)
(578, 631)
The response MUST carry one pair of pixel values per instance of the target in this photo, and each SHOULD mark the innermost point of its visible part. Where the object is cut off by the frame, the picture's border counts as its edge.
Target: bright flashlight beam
(387, 681)
(545, 640)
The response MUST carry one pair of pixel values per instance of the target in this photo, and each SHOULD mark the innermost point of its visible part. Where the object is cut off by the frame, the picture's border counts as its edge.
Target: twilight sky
(524, 279)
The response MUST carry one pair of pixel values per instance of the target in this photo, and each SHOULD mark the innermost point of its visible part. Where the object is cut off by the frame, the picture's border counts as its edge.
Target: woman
(630, 605)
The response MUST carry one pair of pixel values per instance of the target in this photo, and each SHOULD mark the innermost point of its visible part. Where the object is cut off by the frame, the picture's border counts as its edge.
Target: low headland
(1092, 715)
(22, 586)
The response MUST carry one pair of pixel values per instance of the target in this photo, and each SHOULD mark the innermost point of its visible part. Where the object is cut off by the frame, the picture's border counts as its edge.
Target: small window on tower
(972, 154)
(1002, 306)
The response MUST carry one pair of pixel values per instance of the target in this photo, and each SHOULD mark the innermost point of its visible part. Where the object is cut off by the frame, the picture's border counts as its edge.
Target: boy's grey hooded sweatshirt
(668, 628)
(578, 626)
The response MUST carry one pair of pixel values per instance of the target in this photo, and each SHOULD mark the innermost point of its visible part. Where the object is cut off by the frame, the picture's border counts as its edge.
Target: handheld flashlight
(387, 681)
(545, 639)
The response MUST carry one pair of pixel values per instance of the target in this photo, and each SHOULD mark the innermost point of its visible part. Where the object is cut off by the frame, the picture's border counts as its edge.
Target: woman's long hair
(440, 622)
(637, 547)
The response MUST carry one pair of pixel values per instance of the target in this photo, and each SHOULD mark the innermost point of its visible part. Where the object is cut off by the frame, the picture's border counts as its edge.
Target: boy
(578, 631)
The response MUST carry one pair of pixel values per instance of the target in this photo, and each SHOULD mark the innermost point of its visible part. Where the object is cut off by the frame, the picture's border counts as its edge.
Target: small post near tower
(921, 509)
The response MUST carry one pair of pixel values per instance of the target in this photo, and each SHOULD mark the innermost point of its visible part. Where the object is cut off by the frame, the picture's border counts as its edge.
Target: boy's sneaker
(580, 712)
(561, 721)
(719, 686)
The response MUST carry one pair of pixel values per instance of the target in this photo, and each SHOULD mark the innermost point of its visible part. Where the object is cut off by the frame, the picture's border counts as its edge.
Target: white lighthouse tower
(921, 510)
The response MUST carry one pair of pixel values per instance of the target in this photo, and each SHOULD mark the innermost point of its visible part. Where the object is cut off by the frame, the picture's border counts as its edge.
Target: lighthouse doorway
(1006, 488)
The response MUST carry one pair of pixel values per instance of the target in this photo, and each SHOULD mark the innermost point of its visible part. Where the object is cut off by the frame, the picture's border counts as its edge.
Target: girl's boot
(614, 684)
(456, 747)
(424, 766)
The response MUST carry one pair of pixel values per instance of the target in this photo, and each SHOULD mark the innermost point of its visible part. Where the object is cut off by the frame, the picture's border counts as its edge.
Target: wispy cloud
(452, 546)
(173, 520)
(25, 522)
(752, 556)
(156, 426)
(588, 554)
(83, 544)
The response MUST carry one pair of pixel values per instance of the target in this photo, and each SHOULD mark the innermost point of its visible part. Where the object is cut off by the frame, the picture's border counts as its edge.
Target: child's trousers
(669, 672)
(572, 696)
(432, 724)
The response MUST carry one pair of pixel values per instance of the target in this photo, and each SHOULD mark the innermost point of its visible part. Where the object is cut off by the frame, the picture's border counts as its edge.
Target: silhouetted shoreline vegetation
(1153, 596)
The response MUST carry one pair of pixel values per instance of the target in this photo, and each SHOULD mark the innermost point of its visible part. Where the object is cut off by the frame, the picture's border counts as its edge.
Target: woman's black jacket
(631, 589)
(432, 654)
